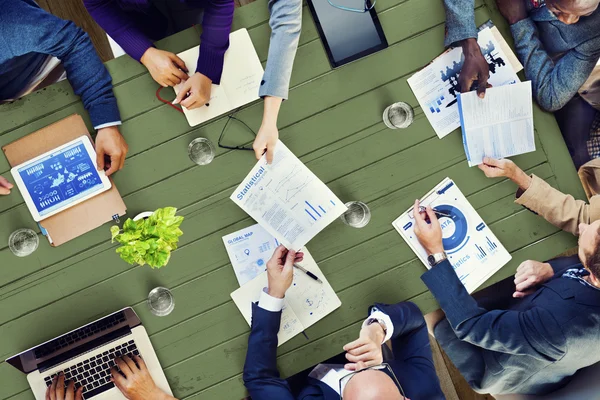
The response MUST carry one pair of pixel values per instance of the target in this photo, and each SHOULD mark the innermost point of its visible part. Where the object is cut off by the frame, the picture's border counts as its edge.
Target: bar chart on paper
(316, 212)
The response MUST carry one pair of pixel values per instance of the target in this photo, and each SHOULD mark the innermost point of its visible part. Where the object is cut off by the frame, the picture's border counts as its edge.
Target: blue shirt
(28, 35)
(557, 58)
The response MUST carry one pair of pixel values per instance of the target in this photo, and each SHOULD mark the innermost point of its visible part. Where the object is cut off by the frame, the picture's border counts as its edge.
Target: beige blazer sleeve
(560, 209)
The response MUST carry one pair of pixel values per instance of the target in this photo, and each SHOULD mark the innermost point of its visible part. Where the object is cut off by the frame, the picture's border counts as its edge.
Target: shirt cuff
(108, 124)
(270, 303)
(389, 326)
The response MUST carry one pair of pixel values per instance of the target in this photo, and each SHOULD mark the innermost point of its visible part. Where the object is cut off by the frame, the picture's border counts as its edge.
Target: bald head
(570, 11)
(371, 385)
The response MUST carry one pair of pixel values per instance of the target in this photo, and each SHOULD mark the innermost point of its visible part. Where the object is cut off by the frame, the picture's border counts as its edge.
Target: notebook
(306, 301)
(240, 81)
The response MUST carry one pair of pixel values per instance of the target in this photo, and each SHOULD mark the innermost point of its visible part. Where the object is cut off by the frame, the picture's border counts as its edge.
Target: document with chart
(436, 86)
(306, 301)
(287, 199)
(498, 126)
(472, 248)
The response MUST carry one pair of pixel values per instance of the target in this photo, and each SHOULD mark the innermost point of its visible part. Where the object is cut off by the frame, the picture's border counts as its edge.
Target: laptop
(85, 355)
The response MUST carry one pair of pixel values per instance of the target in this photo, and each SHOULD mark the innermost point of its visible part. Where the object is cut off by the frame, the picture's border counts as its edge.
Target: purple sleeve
(216, 25)
(121, 25)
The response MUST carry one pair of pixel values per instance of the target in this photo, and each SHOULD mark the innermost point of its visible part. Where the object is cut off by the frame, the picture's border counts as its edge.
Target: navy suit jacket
(534, 347)
(412, 362)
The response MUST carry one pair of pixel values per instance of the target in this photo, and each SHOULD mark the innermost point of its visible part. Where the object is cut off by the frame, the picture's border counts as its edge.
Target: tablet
(347, 35)
(60, 178)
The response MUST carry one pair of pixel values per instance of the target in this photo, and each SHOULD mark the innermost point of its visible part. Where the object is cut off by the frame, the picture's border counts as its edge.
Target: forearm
(553, 84)
(214, 41)
(460, 21)
(271, 110)
(560, 209)
(286, 25)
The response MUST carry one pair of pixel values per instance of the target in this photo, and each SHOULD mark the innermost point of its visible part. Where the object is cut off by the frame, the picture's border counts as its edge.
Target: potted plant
(149, 239)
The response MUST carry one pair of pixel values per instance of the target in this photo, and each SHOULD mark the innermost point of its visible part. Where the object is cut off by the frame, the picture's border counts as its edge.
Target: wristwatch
(436, 258)
(371, 321)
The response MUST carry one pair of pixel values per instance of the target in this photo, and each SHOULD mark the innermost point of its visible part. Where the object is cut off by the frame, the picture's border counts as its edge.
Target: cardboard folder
(83, 217)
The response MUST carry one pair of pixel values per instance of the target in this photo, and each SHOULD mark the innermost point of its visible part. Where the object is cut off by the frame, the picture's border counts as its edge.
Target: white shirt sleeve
(270, 303)
(389, 326)
(106, 125)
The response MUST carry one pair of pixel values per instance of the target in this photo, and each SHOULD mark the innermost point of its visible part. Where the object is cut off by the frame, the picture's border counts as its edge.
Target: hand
(365, 350)
(267, 138)
(198, 87)
(429, 234)
(5, 186)
(280, 270)
(475, 68)
(512, 10)
(110, 143)
(136, 384)
(529, 275)
(165, 67)
(493, 168)
(58, 391)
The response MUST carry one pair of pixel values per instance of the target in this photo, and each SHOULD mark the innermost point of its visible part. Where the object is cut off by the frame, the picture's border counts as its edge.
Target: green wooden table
(333, 123)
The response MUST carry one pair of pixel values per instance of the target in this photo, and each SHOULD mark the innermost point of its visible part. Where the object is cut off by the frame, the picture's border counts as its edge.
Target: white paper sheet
(287, 199)
(435, 86)
(306, 301)
(249, 250)
(240, 81)
(472, 248)
(498, 126)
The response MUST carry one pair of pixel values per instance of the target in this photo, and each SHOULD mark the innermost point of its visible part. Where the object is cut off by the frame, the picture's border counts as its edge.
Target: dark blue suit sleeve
(534, 332)
(561, 264)
(261, 376)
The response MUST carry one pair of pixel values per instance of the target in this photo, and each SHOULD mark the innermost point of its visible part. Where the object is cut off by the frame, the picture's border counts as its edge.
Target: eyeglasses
(229, 118)
(368, 6)
(383, 366)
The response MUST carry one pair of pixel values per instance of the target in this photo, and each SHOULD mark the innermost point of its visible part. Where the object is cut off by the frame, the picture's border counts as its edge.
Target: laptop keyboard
(94, 373)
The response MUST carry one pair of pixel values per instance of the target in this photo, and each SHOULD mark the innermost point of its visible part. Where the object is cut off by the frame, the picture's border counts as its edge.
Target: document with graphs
(498, 126)
(287, 199)
(306, 301)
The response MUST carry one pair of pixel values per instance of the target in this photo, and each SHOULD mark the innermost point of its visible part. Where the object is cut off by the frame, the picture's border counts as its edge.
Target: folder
(83, 217)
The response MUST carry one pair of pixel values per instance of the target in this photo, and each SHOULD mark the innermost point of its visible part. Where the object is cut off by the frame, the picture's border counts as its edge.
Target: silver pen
(310, 274)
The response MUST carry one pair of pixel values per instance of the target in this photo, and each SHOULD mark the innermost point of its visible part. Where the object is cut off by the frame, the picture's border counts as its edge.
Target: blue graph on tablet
(61, 178)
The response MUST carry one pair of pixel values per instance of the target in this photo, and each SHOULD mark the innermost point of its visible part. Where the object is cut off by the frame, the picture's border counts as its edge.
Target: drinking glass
(358, 214)
(23, 242)
(398, 116)
(201, 151)
(160, 301)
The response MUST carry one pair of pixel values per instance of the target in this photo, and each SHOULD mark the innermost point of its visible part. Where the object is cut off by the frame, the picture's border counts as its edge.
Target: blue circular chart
(456, 238)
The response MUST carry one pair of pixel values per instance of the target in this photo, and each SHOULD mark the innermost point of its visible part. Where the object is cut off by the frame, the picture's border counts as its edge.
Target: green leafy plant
(150, 240)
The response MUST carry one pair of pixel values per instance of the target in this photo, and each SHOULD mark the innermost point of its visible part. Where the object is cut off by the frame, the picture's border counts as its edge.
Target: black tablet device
(347, 35)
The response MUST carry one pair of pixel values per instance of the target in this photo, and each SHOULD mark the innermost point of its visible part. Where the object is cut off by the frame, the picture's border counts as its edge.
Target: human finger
(290, 259)
(360, 365)
(482, 86)
(522, 268)
(183, 92)
(279, 252)
(364, 357)
(526, 284)
(4, 191)
(79, 393)
(100, 158)
(492, 162)
(521, 278)
(60, 387)
(419, 219)
(179, 74)
(178, 61)
(130, 363)
(465, 81)
(357, 343)
(432, 216)
(5, 183)
(364, 348)
(189, 101)
(115, 163)
(259, 149)
(123, 156)
(140, 363)
(521, 294)
(123, 367)
(269, 154)
(70, 395)
(53, 388)
(48, 393)
(194, 105)
(117, 379)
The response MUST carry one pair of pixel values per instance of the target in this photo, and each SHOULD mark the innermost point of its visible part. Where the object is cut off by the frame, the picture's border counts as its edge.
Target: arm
(261, 376)
(27, 28)
(120, 25)
(534, 332)
(214, 41)
(554, 84)
(460, 21)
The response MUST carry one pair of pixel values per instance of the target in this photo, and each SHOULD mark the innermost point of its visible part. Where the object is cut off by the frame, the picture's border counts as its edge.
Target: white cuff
(270, 303)
(108, 124)
(389, 326)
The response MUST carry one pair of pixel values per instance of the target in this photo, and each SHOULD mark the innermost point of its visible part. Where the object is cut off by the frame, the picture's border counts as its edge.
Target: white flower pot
(143, 215)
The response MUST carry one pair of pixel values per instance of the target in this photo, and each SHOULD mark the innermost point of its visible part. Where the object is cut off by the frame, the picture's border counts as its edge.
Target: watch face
(431, 260)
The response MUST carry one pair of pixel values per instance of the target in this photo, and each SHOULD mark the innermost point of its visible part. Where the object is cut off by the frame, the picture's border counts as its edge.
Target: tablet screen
(61, 178)
(347, 35)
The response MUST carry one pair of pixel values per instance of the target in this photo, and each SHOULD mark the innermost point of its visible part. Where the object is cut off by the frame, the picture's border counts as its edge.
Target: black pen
(310, 274)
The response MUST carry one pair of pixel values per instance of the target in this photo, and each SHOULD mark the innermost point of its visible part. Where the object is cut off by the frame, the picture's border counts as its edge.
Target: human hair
(592, 260)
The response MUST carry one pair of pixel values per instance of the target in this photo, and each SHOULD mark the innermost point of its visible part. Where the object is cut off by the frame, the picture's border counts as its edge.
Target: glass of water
(23, 242)
(358, 214)
(398, 116)
(160, 301)
(201, 151)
